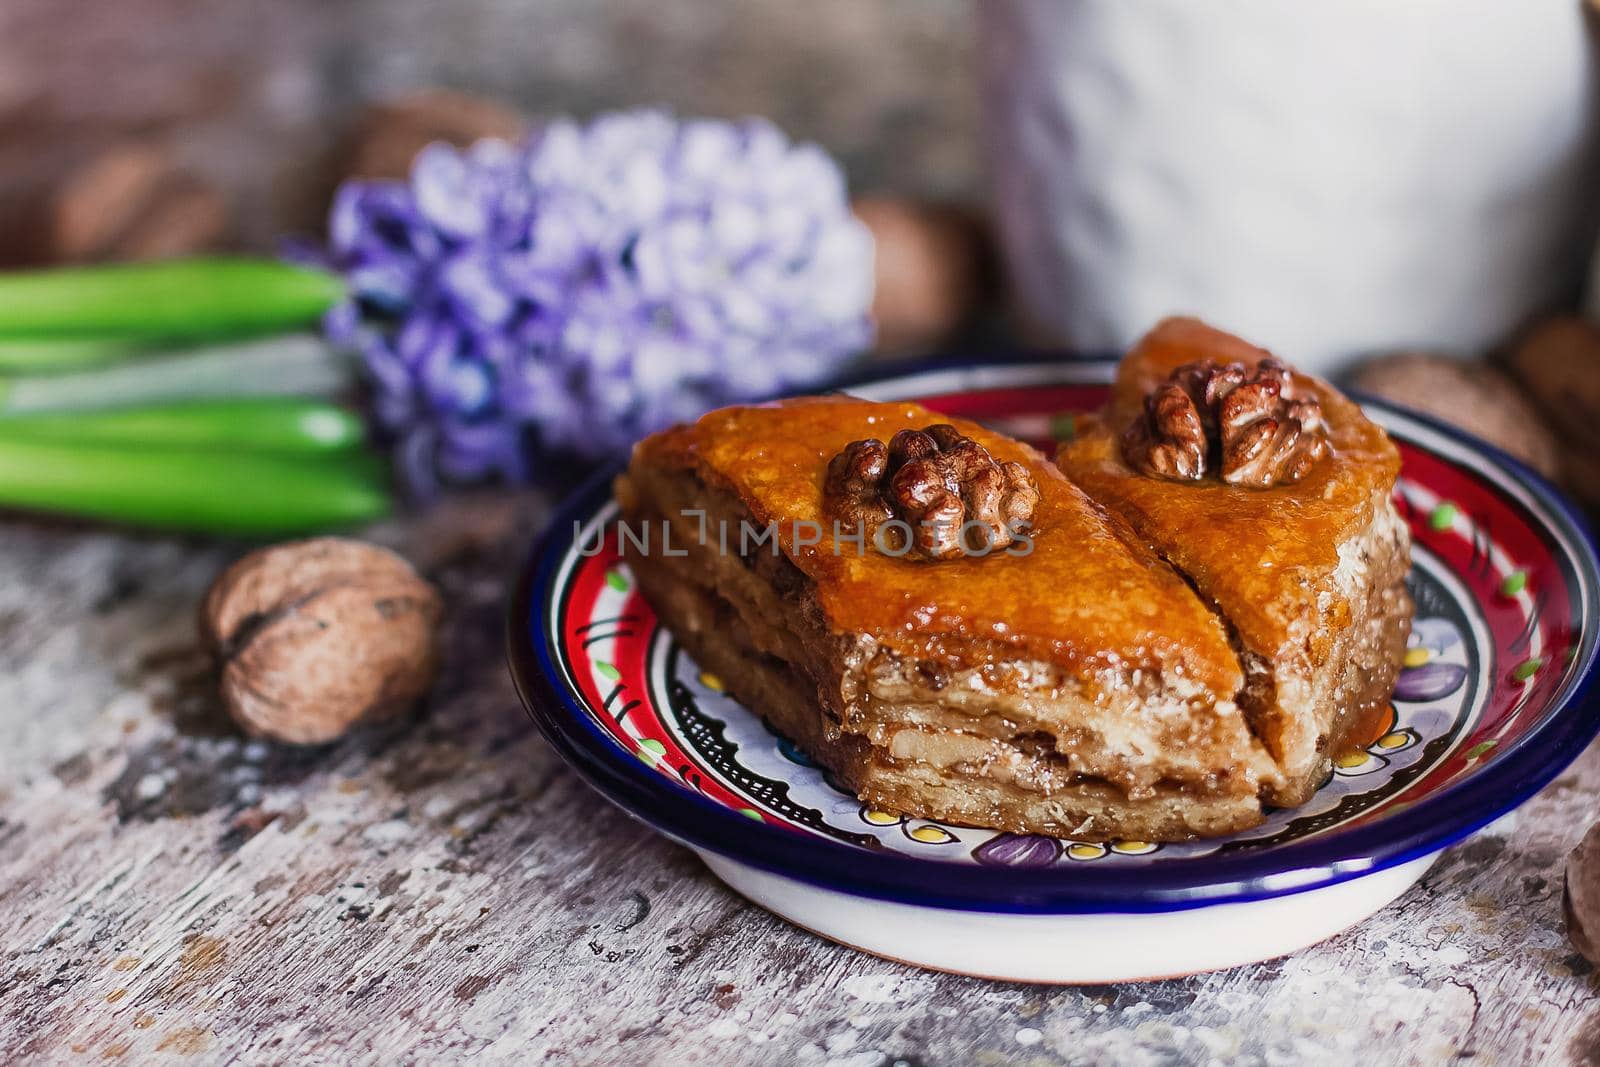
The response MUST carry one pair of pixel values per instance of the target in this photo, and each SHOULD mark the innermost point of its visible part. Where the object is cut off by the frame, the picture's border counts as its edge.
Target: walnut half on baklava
(944, 620)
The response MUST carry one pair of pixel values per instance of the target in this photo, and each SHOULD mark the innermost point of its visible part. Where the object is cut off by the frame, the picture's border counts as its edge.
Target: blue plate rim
(1425, 828)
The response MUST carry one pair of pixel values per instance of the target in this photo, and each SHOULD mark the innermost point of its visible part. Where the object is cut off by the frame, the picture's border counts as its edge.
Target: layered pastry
(1271, 494)
(1066, 682)
(942, 618)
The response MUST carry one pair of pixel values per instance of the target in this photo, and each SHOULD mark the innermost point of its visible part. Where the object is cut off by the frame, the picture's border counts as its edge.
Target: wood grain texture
(440, 886)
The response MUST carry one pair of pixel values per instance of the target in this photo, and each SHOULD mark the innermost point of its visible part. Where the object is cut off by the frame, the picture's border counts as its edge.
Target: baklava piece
(1271, 494)
(940, 617)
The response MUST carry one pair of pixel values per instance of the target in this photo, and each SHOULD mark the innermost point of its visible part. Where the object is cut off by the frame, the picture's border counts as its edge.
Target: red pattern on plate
(1495, 521)
(627, 700)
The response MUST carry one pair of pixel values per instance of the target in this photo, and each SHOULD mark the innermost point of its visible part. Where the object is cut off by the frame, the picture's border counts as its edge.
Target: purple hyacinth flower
(599, 282)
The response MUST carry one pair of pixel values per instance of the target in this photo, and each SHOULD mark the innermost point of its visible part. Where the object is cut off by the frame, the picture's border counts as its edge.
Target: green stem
(258, 424)
(164, 300)
(292, 365)
(201, 490)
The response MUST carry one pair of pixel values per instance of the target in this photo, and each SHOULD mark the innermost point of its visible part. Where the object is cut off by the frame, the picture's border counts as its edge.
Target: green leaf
(186, 298)
(1527, 669)
(1442, 517)
(1478, 750)
(606, 670)
(251, 424)
(195, 489)
(617, 580)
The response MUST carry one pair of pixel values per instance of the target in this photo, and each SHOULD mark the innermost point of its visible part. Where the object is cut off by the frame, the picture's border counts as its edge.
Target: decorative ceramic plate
(1497, 695)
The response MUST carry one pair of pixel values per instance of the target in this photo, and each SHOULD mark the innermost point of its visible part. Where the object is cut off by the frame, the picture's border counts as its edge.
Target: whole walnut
(1580, 899)
(1470, 394)
(934, 266)
(314, 636)
(1580, 473)
(388, 135)
(1558, 363)
(133, 202)
(118, 202)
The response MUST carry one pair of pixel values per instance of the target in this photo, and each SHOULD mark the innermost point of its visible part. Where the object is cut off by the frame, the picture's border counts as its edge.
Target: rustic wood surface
(442, 886)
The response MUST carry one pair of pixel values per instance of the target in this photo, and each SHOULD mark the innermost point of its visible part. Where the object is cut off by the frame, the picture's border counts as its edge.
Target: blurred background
(252, 111)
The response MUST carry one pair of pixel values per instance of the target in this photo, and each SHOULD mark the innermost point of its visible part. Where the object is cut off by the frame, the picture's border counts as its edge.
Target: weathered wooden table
(441, 886)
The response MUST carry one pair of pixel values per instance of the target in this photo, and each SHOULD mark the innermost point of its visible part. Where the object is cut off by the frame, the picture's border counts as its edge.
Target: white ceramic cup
(1328, 179)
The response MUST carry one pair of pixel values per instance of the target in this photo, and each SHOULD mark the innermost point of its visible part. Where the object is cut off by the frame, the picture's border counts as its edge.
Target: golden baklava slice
(1271, 493)
(936, 614)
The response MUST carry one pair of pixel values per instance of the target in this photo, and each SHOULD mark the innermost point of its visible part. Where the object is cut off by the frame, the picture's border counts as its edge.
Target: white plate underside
(1074, 949)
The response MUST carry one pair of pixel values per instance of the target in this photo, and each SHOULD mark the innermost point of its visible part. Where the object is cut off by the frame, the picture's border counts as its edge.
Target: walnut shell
(1580, 899)
(1580, 473)
(933, 268)
(1558, 363)
(314, 636)
(1469, 394)
(388, 135)
(132, 202)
